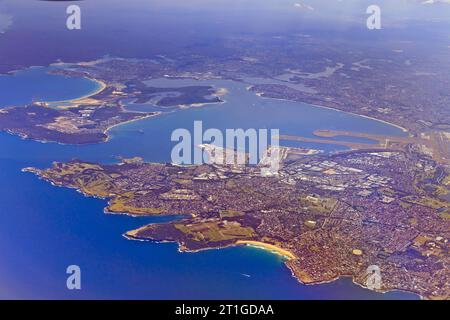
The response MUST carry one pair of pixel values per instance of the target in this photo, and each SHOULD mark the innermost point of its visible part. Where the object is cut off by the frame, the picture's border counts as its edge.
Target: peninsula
(329, 215)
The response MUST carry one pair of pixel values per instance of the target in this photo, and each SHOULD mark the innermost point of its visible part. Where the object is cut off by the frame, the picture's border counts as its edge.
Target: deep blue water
(43, 228)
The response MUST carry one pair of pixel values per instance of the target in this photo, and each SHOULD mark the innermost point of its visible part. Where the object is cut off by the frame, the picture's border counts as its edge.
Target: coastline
(132, 235)
(300, 276)
(304, 279)
(106, 131)
(101, 86)
(269, 247)
(403, 129)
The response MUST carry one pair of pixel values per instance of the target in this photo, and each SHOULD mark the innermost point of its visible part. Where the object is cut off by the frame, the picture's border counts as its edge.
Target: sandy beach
(267, 246)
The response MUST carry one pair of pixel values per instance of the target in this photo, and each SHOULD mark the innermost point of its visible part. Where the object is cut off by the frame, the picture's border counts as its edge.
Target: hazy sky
(5, 21)
(37, 30)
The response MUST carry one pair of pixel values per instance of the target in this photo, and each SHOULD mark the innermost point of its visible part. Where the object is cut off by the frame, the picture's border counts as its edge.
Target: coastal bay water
(43, 228)
(36, 84)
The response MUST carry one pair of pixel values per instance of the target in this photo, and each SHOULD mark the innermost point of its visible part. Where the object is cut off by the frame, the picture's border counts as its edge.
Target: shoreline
(108, 135)
(268, 247)
(339, 277)
(102, 86)
(403, 129)
(130, 235)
